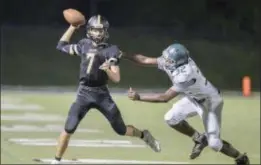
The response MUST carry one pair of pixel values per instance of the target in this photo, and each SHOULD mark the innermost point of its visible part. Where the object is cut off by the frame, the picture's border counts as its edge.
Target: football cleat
(151, 141)
(242, 160)
(55, 162)
(200, 143)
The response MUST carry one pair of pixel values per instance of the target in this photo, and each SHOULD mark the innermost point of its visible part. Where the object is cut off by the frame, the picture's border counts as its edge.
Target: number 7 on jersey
(90, 58)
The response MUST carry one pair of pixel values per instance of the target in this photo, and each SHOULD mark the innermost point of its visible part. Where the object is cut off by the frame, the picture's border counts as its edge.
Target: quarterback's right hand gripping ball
(74, 17)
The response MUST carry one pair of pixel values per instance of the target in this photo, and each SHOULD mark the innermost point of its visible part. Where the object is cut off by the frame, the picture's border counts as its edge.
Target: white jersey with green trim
(189, 80)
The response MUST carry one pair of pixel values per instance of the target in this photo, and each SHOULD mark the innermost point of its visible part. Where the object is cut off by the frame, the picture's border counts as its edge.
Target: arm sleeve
(72, 49)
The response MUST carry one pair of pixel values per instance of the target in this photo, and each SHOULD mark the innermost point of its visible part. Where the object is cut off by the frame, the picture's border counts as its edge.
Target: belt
(200, 100)
(93, 84)
(101, 89)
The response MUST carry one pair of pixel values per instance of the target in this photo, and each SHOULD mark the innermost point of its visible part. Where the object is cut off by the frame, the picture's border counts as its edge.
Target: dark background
(223, 37)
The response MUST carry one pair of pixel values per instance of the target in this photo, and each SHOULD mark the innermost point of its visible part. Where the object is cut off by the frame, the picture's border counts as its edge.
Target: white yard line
(17, 104)
(255, 156)
(111, 161)
(77, 143)
(43, 128)
(31, 117)
(20, 107)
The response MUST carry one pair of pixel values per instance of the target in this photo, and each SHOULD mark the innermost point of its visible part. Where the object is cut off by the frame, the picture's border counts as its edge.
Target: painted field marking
(256, 156)
(13, 100)
(15, 104)
(109, 161)
(77, 143)
(32, 117)
(17, 107)
(44, 128)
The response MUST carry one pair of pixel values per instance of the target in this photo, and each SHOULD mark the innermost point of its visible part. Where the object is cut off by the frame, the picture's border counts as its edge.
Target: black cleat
(242, 160)
(200, 143)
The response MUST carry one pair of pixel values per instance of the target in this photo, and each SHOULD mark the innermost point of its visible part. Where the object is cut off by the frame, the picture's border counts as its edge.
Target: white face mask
(169, 63)
(97, 33)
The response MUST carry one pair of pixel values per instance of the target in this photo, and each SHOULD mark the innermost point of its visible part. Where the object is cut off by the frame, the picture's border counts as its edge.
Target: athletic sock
(142, 135)
(229, 150)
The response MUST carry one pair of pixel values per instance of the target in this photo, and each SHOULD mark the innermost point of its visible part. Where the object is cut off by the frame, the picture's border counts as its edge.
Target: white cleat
(151, 141)
(55, 162)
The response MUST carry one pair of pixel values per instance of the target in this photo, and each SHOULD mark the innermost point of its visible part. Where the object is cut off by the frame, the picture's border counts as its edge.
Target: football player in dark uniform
(99, 62)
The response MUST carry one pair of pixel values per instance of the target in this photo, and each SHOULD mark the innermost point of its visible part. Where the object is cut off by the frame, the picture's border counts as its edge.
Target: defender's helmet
(175, 55)
(97, 29)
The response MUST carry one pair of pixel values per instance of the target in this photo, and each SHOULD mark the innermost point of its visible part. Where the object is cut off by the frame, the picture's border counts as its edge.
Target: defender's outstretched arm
(141, 59)
(156, 98)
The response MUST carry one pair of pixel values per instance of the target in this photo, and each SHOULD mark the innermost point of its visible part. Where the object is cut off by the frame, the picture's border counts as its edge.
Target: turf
(241, 126)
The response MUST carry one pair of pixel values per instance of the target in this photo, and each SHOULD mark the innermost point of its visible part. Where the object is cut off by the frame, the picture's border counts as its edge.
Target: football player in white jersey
(200, 97)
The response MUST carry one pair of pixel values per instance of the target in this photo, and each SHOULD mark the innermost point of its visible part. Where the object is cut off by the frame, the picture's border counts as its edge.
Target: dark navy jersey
(92, 57)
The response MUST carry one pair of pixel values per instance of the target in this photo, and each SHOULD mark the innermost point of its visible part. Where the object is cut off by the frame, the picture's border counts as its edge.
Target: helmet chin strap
(95, 43)
(93, 39)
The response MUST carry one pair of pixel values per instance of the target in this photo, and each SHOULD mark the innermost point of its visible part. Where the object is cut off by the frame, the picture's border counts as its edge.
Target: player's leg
(176, 119)
(177, 115)
(110, 110)
(212, 124)
(76, 113)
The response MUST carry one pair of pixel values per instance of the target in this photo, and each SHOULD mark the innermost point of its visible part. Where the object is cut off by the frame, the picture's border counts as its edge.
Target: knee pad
(71, 124)
(73, 119)
(173, 119)
(119, 128)
(69, 131)
(118, 125)
(215, 143)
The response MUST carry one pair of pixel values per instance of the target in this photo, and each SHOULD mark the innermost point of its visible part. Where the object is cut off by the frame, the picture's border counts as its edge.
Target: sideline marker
(246, 86)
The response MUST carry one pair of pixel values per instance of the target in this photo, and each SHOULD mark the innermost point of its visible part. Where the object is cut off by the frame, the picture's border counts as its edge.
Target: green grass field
(22, 139)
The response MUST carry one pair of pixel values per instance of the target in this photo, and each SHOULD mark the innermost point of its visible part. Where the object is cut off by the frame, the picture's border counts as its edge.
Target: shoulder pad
(115, 51)
(85, 41)
(113, 48)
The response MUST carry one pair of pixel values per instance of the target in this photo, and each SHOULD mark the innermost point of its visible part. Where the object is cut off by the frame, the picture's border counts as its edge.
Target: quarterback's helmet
(97, 29)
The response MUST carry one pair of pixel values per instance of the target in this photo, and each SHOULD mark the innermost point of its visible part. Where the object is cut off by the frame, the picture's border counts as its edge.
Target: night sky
(135, 12)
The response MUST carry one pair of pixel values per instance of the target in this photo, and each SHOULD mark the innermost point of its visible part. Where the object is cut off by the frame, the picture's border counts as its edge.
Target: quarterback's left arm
(113, 73)
(155, 98)
(111, 65)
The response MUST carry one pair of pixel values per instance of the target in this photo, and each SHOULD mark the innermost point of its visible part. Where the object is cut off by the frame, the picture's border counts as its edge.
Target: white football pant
(209, 111)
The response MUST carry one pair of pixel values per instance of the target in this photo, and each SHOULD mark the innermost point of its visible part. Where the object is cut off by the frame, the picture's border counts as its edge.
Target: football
(74, 17)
